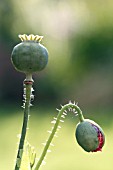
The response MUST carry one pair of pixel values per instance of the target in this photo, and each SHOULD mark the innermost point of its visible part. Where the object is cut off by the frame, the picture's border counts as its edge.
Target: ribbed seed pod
(29, 56)
(90, 136)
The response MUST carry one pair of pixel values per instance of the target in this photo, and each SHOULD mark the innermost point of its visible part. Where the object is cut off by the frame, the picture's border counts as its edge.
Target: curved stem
(67, 106)
(27, 95)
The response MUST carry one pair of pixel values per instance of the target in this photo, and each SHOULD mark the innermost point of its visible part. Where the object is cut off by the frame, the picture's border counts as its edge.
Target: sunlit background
(79, 37)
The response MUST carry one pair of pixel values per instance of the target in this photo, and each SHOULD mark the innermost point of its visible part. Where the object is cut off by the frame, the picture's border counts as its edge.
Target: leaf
(29, 156)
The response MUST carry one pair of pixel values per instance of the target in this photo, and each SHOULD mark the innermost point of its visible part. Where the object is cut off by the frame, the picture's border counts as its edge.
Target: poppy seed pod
(29, 56)
(90, 136)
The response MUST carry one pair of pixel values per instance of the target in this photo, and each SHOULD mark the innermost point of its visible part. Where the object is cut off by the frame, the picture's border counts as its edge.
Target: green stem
(28, 85)
(67, 106)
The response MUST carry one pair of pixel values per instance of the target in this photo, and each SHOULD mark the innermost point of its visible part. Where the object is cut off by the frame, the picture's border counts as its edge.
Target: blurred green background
(79, 37)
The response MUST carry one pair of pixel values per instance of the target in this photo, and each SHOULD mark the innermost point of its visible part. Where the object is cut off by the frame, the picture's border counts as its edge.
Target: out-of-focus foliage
(79, 38)
(7, 18)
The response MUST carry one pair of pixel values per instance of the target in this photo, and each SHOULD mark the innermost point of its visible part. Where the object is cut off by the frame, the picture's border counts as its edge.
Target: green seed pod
(90, 136)
(29, 56)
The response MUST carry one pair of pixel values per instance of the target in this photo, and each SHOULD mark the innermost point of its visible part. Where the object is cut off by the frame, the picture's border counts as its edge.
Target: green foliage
(78, 36)
(93, 50)
(7, 17)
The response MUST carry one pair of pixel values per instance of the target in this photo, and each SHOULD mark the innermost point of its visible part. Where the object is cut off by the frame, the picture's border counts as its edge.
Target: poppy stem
(56, 122)
(27, 96)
